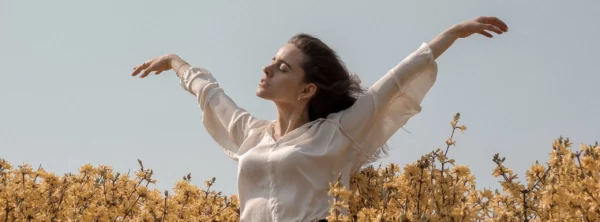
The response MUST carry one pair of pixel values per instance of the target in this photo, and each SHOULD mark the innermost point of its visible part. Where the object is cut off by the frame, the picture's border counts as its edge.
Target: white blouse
(288, 179)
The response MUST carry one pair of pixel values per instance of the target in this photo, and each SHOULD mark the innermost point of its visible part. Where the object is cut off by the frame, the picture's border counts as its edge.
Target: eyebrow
(284, 62)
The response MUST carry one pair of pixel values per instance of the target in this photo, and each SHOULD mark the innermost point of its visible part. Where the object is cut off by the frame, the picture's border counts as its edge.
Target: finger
(158, 72)
(138, 69)
(146, 72)
(497, 22)
(486, 34)
(501, 24)
(492, 28)
(151, 67)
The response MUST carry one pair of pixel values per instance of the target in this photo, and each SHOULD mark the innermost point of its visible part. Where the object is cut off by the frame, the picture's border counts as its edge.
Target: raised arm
(228, 124)
(480, 25)
(397, 96)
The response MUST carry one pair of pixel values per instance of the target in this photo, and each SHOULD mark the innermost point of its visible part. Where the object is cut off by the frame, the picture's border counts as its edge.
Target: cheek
(286, 85)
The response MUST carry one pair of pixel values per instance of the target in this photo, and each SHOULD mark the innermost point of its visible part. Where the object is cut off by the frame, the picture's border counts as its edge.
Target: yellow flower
(431, 188)
(462, 171)
(450, 142)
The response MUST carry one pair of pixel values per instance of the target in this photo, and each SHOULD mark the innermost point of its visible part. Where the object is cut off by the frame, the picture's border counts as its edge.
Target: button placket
(271, 176)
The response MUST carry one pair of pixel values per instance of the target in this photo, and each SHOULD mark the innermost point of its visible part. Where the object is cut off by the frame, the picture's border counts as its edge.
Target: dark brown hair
(337, 88)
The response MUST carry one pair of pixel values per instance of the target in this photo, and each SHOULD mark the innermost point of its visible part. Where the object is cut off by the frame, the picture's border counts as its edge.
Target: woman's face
(283, 79)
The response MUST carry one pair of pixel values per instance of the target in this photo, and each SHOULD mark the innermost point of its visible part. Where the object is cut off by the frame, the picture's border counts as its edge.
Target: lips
(263, 83)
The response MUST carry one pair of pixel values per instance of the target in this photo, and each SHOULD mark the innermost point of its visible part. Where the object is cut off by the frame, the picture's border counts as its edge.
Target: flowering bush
(433, 188)
(99, 194)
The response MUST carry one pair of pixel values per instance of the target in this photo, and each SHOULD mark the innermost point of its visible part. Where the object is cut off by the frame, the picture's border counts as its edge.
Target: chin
(263, 95)
(260, 93)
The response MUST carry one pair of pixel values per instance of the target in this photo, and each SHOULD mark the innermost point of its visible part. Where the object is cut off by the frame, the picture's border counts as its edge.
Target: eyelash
(280, 66)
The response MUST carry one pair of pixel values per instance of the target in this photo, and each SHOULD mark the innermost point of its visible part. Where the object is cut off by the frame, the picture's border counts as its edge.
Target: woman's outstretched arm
(480, 25)
(228, 124)
(397, 96)
(160, 64)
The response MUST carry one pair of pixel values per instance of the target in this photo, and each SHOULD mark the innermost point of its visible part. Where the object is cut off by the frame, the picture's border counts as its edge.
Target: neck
(290, 117)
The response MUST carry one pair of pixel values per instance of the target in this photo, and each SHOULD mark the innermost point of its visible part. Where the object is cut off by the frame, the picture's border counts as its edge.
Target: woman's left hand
(480, 25)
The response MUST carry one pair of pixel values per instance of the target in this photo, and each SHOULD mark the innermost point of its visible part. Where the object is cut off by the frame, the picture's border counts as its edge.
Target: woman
(325, 127)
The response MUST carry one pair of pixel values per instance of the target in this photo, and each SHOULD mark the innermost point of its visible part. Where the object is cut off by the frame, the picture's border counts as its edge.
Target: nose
(267, 71)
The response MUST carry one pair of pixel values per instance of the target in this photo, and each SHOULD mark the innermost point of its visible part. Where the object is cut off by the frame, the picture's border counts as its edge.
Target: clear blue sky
(67, 97)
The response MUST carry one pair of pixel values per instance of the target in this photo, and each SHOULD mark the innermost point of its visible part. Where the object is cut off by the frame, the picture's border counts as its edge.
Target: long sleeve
(228, 124)
(390, 102)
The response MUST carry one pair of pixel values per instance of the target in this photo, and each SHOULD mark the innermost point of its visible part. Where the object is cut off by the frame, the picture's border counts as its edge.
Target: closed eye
(284, 65)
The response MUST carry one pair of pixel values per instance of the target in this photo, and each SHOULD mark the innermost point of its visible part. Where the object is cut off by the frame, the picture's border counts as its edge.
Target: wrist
(177, 64)
(173, 59)
(452, 32)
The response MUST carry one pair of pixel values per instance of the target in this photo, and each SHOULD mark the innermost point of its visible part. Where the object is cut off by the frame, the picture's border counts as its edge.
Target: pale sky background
(67, 97)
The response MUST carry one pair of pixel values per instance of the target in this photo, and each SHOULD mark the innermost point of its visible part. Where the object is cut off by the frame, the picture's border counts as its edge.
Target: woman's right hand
(480, 25)
(156, 64)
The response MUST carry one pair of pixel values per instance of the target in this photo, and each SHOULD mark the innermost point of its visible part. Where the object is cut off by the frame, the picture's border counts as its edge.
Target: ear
(308, 91)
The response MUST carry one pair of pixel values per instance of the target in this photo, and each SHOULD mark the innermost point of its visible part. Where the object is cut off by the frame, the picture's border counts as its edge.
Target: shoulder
(330, 125)
(260, 126)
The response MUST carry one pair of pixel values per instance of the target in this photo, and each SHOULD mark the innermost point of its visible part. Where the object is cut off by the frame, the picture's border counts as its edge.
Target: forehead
(290, 53)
